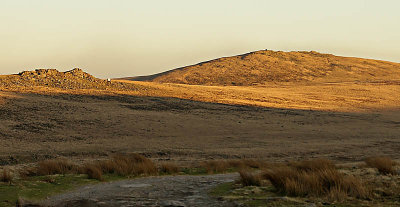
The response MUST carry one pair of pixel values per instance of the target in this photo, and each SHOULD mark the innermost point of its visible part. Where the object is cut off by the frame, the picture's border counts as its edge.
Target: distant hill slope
(267, 66)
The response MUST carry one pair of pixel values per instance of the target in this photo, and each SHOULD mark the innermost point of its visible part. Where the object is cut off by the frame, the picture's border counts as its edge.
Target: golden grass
(261, 67)
(250, 178)
(6, 176)
(309, 178)
(52, 167)
(345, 97)
(128, 164)
(335, 97)
(385, 165)
(94, 172)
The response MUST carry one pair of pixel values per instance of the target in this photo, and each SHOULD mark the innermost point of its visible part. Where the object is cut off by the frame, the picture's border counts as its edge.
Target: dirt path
(150, 191)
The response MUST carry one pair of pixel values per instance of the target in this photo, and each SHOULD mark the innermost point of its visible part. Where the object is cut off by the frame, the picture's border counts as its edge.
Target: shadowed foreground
(36, 127)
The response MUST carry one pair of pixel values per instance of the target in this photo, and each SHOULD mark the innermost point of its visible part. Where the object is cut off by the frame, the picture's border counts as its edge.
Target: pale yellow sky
(115, 38)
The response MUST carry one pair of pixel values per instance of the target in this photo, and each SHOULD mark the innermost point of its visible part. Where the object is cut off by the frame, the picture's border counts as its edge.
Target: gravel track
(150, 191)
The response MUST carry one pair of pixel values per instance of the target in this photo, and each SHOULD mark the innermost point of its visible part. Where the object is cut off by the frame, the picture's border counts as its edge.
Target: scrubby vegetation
(316, 180)
(308, 178)
(327, 182)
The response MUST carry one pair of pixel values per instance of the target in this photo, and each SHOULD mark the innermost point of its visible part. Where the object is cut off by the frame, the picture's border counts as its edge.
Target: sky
(120, 38)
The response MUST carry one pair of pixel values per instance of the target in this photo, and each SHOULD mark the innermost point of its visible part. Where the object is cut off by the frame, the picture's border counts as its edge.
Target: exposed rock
(73, 79)
(173, 191)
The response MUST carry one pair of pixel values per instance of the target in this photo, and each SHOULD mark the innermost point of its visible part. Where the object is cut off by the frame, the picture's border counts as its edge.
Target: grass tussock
(169, 168)
(385, 165)
(128, 164)
(249, 178)
(52, 167)
(315, 178)
(216, 166)
(94, 172)
(6, 176)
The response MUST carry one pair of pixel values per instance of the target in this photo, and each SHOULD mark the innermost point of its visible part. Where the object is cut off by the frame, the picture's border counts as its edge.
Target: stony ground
(151, 191)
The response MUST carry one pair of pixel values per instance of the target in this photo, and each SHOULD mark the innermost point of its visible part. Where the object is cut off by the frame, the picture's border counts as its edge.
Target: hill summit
(266, 66)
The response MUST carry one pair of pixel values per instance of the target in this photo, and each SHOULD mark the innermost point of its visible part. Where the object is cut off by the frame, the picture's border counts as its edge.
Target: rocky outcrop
(73, 79)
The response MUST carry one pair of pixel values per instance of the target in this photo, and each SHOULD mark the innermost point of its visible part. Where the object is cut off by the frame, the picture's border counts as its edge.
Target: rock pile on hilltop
(73, 79)
(53, 73)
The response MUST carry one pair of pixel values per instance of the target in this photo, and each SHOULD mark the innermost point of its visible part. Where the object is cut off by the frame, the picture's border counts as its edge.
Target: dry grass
(52, 167)
(254, 163)
(128, 164)
(220, 166)
(238, 164)
(169, 168)
(28, 172)
(249, 178)
(313, 165)
(312, 179)
(6, 176)
(263, 66)
(385, 165)
(94, 172)
(123, 165)
(216, 166)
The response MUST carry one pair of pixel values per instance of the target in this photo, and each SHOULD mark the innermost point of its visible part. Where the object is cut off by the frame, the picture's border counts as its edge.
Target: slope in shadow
(35, 127)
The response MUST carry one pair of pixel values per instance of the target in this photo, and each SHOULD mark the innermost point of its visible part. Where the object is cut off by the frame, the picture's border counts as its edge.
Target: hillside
(265, 66)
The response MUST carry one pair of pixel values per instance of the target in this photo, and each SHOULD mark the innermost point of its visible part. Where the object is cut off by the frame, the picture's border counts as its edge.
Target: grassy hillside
(265, 66)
